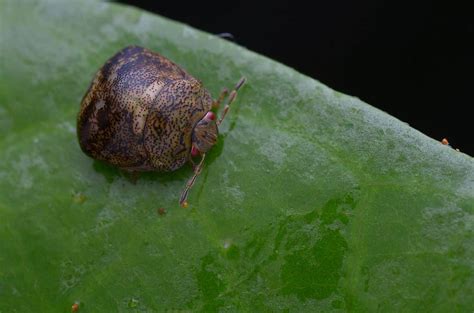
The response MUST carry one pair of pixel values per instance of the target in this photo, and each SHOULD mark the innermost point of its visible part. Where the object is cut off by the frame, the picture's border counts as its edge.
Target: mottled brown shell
(140, 111)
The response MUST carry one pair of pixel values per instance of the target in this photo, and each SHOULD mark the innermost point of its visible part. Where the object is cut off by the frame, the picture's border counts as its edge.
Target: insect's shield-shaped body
(139, 112)
(142, 112)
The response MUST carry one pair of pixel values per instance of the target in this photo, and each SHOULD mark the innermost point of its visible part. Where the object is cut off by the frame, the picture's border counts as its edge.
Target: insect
(142, 112)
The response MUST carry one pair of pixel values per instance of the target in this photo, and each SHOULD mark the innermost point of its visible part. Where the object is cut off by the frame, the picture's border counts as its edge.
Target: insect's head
(204, 134)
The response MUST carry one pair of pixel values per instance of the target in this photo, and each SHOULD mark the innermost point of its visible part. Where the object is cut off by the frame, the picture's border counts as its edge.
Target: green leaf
(312, 201)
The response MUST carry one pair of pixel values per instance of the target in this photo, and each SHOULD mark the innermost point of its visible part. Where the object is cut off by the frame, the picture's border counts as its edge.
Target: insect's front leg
(192, 163)
(197, 170)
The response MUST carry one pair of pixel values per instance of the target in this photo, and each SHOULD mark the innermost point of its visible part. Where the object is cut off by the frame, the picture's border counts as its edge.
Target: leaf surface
(311, 201)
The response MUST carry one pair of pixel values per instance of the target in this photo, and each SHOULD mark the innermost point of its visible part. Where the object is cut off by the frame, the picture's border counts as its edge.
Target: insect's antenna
(231, 99)
(184, 195)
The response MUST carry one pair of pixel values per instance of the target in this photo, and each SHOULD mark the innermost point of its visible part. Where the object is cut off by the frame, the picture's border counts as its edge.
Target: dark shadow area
(111, 172)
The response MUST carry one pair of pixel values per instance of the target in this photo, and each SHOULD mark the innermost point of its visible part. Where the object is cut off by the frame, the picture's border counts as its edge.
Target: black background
(414, 61)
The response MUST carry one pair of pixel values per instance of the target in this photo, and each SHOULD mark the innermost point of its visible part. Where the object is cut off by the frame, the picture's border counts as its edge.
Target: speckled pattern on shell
(140, 111)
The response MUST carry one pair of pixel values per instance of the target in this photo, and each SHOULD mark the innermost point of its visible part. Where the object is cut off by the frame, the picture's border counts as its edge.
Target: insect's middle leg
(131, 175)
(216, 103)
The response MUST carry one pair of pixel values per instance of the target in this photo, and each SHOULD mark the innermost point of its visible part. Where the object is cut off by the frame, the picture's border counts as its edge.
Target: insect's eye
(210, 116)
(194, 151)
